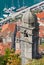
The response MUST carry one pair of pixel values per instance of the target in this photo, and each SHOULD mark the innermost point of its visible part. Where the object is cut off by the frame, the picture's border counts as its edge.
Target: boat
(10, 9)
(7, 11)
(13, 8)
(1, 18)
(13, 15)
(5, 15)
(5, 8)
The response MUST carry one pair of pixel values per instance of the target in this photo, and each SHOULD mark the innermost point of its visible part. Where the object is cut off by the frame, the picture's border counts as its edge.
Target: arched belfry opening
(25, 33)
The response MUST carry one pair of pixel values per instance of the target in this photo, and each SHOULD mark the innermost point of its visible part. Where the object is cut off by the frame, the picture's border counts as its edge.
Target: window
(17, 40)
(25, 33)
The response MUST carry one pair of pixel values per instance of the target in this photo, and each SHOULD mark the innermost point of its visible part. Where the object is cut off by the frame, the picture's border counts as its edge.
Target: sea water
(8, 4)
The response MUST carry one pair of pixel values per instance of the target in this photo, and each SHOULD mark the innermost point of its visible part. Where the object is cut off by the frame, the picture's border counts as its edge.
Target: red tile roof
(40, 15)
(41, 31)
(4, 27)
(41, 28)
(3, 47)
(41, 21)
(12, 27)
(8, 27)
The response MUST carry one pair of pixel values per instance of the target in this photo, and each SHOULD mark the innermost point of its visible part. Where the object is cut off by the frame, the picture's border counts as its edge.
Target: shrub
(10, 58)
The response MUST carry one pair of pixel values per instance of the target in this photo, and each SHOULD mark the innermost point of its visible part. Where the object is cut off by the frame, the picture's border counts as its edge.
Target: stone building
(8, 31)
(29, 37)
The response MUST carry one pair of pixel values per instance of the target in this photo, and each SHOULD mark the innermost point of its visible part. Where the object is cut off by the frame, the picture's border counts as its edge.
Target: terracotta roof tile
(41, 33)
(40, 15)
(4, 27)
(8, 28)
(12, 27)
(41, 27)
(3, 47)
(42, 21)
